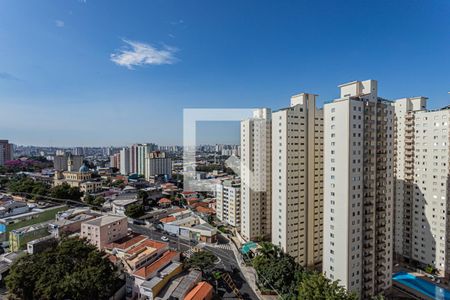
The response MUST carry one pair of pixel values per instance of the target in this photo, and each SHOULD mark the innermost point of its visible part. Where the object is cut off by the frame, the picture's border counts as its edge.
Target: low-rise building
(35, 216)
(40, 244)
(228, 205)
(201, 232)
(174, 226)
(18, 238)
(91, 187)
(70, 225)
(104, 230)
(164, 202)
(9, 207)
(202, 291)
(119, 206)
(136, 251)
(147, 282)
(186, 284)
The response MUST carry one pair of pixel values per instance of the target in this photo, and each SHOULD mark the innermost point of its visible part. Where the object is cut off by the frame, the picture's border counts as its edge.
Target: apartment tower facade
(297, 176)
(359, 189)
(157, 163)
(7, 151)
(256, 176)
(422, 183)
(228, 202)
(125, 161)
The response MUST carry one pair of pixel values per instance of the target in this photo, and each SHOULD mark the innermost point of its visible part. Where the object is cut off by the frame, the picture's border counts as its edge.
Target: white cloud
(139, 54)
(59, 23)
(179, 22)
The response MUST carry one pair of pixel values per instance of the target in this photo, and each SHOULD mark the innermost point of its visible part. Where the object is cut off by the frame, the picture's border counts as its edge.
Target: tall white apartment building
(359, 189)
(256, 176)
(156, 163)
(125, 161)
(297, 175)
(422, 183)
(228, 202)
(142, 152)
(134, 158)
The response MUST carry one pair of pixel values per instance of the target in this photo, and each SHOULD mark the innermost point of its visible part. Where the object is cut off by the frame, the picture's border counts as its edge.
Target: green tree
(134, 211)
(3, 182)
(23, 184)
(317, 287)
(277, 272)
(94, 201)
(118, 183)
(73, 269)
(429, 269)
(269, 250)
(201, 260)
(65, 191)
(89, 199)
(98, 201)
(142, 195)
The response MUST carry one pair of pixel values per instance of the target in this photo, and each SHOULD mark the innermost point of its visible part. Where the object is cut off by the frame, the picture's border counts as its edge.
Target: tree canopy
(134, 210)
(65, 191)
(278, 271)
(317, 287)
(73, 269)
(94, 201)
(23, 184)
(201, 260)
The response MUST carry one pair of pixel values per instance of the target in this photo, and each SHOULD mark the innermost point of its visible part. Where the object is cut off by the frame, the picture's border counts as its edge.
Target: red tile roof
(164, 200)
(200, 291)
(126, 242)
(197, 204)
(145, 244)
(145, 272)
(112, 258)
(168, 219)
(190, 201)
(189, 193)
(205, 210)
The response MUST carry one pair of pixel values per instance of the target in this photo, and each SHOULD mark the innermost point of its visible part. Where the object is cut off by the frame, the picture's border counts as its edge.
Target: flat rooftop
(105, 220)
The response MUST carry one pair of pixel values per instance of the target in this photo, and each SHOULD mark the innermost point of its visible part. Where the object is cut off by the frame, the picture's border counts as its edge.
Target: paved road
(180, 244)
(222, 250)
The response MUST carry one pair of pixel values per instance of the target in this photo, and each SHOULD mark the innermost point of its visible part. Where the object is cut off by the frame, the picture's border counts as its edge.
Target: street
(227, 261)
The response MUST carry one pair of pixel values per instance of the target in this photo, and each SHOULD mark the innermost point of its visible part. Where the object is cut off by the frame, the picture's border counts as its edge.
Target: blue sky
(110, 72)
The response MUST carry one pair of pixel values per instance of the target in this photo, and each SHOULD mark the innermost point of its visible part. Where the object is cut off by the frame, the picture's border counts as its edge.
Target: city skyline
(132, 77)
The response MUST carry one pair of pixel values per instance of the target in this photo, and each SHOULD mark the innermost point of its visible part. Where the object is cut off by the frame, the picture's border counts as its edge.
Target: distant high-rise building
(228, 202)
(256, 176)
(297, 172)
(359, 189)
(142, 151)
(78, 151)
(60, 152)
(115, 161)
(125, 161)
(422, 156)
(61, 162)
(134, 158)
(7, 151)
(156, 164)
(2, 158)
